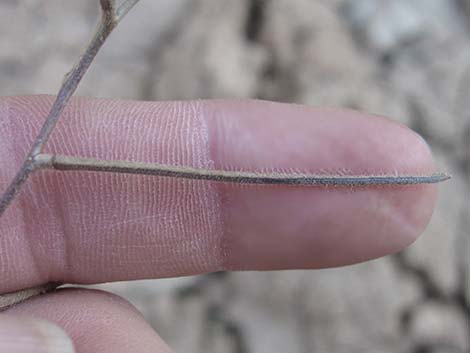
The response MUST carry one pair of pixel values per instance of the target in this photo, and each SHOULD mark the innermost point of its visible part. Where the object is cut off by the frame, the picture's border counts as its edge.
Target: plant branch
(109, 20)
(10, 299)
(108, 8)
(68, 163)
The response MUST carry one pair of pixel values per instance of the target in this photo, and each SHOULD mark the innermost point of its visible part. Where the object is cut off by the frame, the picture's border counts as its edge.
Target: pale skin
(84, 227)
(91, 227)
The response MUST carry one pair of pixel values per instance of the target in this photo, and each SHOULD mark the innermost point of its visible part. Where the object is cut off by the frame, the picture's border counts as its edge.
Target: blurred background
(405, 59)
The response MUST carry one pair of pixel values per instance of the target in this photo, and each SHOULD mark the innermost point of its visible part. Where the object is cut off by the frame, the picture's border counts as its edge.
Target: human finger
(29, 335)
(89, 227)
(95, 321)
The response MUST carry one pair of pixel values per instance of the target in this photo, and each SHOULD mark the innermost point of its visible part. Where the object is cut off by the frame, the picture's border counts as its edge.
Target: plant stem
(10, 299)
(68, 163)
(109, 20)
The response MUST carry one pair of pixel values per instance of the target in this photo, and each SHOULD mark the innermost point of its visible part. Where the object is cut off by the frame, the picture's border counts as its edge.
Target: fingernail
(25, 335)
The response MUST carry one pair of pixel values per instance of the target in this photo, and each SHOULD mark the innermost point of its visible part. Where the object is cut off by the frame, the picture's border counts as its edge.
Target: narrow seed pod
(88, 164)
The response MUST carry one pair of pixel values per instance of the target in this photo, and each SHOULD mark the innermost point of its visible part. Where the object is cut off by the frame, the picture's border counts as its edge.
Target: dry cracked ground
(405, 59)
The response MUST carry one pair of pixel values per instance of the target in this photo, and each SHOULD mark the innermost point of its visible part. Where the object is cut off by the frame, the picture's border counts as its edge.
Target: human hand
(80, 227)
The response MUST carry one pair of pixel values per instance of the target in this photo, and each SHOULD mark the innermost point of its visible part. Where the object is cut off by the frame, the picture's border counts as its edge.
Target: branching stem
(111, 15)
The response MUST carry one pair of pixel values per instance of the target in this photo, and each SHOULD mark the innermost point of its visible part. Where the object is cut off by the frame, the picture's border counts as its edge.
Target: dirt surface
(402, 59)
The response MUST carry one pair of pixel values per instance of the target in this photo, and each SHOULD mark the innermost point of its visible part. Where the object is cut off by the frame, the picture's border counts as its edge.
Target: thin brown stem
(68, 163)
(109, 20)
(10, 299)
(108, 7)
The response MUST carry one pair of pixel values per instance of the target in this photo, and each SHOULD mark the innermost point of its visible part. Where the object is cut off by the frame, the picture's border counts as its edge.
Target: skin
(79, 227)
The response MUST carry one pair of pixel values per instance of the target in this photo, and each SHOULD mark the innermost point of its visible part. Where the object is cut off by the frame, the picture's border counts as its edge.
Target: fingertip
(96, 321)
(27, 335)
(287, 228)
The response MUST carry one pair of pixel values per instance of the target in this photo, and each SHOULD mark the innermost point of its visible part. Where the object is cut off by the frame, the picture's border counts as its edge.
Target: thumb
(26, 335)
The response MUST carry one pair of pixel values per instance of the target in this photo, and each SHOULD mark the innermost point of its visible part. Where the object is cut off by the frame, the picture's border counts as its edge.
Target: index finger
(89, 227)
